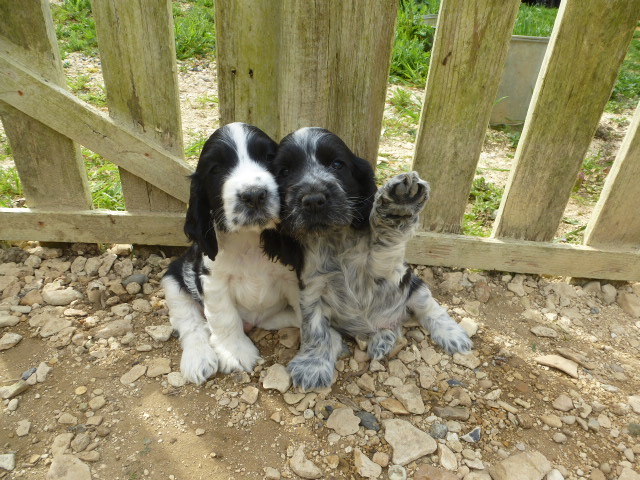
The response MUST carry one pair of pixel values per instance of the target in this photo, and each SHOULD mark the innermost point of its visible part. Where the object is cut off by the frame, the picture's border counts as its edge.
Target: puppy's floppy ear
(364, 175)
(282, 248)
(199, 223)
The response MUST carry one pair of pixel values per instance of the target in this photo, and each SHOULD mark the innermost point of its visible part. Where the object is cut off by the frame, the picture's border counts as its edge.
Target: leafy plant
(75, 27)
(626, 91)
(104, 181)
(10, 187)
(195, 28)
(535, 20)
(485, 200)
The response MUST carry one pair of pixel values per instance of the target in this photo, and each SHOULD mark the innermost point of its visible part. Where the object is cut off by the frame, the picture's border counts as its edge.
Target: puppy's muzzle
(254, 197)
(314, 202)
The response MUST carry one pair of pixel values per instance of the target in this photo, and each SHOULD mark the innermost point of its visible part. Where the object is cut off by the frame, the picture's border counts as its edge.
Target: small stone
(343, 421)
(141, 305)
(609, 294)
(542, 331)
(132, 375)
(14, 389)
(438, 430)
(559, 437)
(473, 436)
(160, 333)
(249, 395)
(8, 320)
(133, 288)
(523, 466)
(96, 403)
(200, 432)
(629, 474)
(554, 475)
(634, 403)
(563, 403)
(468, 360)
(121, 310)
(452, 413)
(13, 404)
(368, 421)
(90, 456)
(556, 361)
(80, 442)
(42, 372)
(53, 294)
(394, 406)
(61, 443)
(8, 461)
(158, 366)
(23, 428)
(365, 467)
(397, 472)
(271, 473)
(552, 421)
(629, 303)
(175, 379)
(9, 340)
(469, 325)
(381, 458)
(303, 467)
(289, 337)
(408, 442)
(277, 378)
(447, 458)
(409, 396)
(68, 467)
(67, 419)
(115, 328)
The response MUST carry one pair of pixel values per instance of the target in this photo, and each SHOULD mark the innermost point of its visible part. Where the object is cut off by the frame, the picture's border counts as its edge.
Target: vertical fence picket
(587, 46)
(49, 164)
(469, 53)
(137, 50)
(615, 221)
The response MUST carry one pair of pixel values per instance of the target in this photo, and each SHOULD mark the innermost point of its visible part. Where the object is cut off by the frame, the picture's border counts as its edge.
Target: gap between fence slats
(587, 46)
(63, 112)
(50, 166)
(615, 220)
(469, 53)
(142, 89)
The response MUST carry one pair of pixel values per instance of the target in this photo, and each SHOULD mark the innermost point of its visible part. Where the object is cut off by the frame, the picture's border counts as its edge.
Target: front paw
(405, 194)
(450, 336)
(381, 344)
(309, 371)
(198, 362)
(236, 354)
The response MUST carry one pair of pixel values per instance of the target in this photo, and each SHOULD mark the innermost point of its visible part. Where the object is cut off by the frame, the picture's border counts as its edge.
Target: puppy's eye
(283, 172)
(337, 164)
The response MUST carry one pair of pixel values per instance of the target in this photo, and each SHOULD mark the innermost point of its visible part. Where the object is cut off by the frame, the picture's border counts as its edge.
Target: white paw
(198, 362)
(236, 354)
(450, 336)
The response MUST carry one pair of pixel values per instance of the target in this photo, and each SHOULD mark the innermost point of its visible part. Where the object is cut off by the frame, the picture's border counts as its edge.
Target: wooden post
(50, 166)
(587, 46)
(137, 50)
(615, 222)
(469, 53)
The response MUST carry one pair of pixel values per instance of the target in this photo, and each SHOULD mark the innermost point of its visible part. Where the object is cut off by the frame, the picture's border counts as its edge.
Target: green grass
(81, 86)
(195, 28)
(10, 187)
(104, 181)
(75, 27)
(626, 91)
(535, 21)
(485, 200)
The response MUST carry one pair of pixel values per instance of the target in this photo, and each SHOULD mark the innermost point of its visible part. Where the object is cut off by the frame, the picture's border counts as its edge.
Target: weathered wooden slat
(359, 83)
(92, 226)
(49, 164)
(577, 75)
(142, 90)
(469, 52)
(247, 45)
(615, 221)
(429, 248)
(63, 112)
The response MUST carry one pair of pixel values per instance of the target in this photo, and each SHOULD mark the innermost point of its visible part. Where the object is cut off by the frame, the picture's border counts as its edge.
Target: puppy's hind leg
(443, 329)
(198, 361)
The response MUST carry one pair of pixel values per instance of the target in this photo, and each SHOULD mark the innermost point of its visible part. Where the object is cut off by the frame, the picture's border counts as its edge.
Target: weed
(406, 104)
(485, 200)
(104, 181)
(81, 86)
(194, 149)
(626, 91)
(75, 27)
(592, 175)
(195, 28)
(535, 20)
(10, 187)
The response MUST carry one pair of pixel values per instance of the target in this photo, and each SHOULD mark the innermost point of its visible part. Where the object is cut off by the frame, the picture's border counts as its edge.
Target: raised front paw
(309, 371)
(405, 194)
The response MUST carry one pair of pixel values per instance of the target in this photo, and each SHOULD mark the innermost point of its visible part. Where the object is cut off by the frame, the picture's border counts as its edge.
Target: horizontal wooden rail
(92, 226)
(63, 112)
(522, 256)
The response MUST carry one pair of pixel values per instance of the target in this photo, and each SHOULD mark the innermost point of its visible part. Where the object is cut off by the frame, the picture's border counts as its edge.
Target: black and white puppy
(354, 279)
(224, 284)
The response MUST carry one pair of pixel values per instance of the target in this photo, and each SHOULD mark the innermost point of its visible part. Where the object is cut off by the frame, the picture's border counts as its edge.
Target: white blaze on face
(245, 176)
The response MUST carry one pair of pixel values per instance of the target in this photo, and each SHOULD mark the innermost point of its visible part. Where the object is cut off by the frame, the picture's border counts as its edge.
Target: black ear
(199, 223)
(364, 175)
(283, 248)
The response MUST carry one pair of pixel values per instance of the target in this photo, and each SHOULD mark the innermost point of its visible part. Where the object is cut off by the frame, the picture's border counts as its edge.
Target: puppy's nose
(254, 197)
(314, 201)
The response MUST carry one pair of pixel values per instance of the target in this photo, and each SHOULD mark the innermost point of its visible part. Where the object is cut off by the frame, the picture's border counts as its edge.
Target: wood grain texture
(142, 90)
(73, 118)
(49, 164)
(615, 221)
(430, 248)
(93, 226)
(469, 53)
(576, 78)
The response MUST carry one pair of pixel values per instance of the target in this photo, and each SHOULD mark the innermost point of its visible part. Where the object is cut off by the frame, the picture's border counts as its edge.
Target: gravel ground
(90, 382)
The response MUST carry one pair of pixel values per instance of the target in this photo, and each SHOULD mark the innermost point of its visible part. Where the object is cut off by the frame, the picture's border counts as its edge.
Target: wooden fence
(283, 64)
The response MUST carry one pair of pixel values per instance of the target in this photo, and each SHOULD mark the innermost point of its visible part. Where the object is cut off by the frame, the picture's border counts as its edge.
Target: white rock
(554, 475)
(141, 305)
(175, 379)
(8, 461)
(629, 474)
(13, 404)
(271, 473)
(563, 364)
(23, 428)
(54, 294)
(343, 421)
(365, 467)
(277, 378)
(160, 333)
(634, 403)
(9, 340)
(249, 395)
(61, 443)
(409, 396)
(397, 472)
(469, 325)
(8, 320)
(408, 442)
(523, 466)
(609, 293)
(630, 303)
(115, 328)
(158, 366)
(447, 458)
(303, 467)
(54, 325)
(563, 403)
(68, 467)
(96, 403)
(132, 375)
(542, 331)
(468, 360)
(121, 310)
(42, 371)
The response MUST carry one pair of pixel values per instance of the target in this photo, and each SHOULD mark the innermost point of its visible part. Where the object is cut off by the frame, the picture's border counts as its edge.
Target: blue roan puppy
(354, 279)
